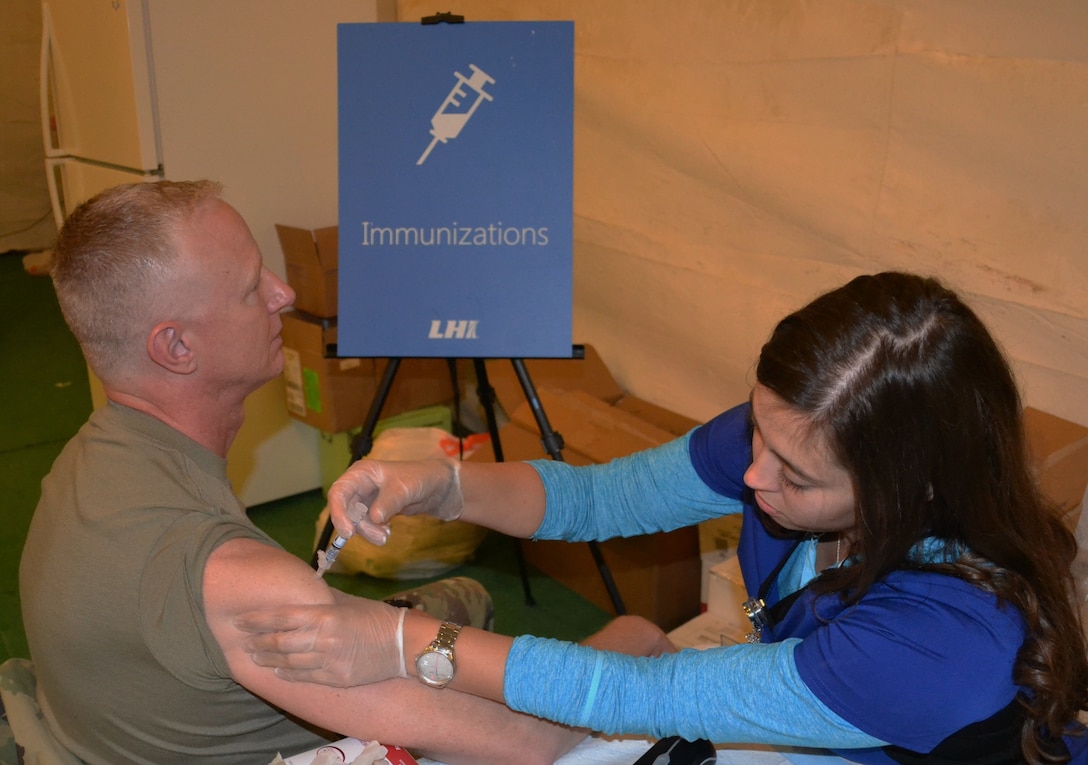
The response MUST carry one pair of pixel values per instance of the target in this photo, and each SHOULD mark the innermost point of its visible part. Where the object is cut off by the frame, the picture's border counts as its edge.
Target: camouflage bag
(456, 599)
(25, 735)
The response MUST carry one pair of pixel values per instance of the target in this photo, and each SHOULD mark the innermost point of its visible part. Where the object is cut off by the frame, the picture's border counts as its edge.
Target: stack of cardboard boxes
(331, 393)
(656, 575)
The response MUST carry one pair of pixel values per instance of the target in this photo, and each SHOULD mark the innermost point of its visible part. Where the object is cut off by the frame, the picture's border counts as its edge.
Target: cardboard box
(657, 575)
(587, 374)
(330, 394)
(335, 394)
(724, 621)
(671, 422)
(312, 261)
(1060, 450)
(420, 383)
(726, 595)
(706, 630)
(591, 427)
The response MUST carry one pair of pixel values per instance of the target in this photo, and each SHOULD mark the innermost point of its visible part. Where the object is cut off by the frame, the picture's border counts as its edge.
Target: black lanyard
(762, 617)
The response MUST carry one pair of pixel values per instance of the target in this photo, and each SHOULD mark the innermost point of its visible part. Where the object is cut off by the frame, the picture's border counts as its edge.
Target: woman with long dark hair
(910, 588)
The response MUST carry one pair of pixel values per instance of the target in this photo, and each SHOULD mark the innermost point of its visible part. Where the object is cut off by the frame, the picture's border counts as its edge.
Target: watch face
(434, 668)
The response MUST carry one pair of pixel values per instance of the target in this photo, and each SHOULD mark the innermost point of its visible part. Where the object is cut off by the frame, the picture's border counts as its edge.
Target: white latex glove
(373, 754)
(371, 492)
(352, 642)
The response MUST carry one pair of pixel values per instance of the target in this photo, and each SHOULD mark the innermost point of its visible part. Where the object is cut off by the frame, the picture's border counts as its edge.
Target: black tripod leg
(451, 365)
(486, 394)
(363, 442)
(553, 444)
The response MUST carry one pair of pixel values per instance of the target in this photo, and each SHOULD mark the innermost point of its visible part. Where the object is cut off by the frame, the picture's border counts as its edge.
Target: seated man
(139, 557)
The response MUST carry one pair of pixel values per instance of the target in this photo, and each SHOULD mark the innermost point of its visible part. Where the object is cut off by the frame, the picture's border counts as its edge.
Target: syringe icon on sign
(448, 124)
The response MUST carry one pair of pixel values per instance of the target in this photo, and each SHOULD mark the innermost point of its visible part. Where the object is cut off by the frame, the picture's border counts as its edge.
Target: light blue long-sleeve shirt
(743, 693)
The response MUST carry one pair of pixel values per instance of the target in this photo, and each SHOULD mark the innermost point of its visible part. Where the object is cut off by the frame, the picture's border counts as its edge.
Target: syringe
(448, 124)
(325, 558)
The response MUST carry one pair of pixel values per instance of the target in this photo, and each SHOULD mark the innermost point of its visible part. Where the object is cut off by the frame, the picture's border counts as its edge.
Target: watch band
(446, 637)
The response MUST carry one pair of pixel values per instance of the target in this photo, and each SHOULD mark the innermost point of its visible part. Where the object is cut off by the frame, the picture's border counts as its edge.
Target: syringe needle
(427, 152)
(325, 558)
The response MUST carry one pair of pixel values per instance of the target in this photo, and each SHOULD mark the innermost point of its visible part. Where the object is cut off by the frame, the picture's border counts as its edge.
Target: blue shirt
(921, 656)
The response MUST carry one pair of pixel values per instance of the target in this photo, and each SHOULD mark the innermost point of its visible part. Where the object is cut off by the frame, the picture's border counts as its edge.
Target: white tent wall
(734, 158)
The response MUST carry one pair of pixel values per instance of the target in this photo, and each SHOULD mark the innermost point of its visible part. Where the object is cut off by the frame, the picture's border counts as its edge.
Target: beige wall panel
(735, 157)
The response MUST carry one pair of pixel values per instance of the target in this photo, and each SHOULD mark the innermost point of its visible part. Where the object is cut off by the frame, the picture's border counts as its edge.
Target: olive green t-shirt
(111, 587)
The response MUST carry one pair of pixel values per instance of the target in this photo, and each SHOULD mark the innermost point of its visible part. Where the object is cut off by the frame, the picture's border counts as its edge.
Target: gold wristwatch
(435, 665)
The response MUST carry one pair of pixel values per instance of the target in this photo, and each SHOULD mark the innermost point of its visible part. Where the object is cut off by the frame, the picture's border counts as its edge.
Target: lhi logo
(453, 329)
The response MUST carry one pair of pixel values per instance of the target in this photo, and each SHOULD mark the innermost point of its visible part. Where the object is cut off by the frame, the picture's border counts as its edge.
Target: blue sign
(456, 189)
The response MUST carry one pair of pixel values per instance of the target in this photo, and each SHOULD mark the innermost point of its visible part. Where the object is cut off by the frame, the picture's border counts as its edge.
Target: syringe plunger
(477, 81)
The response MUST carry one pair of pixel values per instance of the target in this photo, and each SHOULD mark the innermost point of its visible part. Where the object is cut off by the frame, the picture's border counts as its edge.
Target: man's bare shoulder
(249, 572)
(246, 574)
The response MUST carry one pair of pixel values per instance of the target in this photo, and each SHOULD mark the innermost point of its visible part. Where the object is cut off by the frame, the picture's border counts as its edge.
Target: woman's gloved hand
(371, 492)
(352, 642)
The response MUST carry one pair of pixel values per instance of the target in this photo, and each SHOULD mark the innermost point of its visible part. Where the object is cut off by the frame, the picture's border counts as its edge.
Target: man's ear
(166, 346)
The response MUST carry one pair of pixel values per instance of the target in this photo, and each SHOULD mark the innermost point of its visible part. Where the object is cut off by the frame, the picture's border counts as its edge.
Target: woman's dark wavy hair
(919, 405)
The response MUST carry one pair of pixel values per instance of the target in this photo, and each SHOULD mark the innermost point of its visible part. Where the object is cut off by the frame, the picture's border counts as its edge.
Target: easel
(552, 441)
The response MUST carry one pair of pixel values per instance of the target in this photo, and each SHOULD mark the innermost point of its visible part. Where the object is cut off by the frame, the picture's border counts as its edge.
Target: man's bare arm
(243, 575)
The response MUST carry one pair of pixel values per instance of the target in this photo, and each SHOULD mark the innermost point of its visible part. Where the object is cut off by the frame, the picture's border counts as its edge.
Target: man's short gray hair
(113, 256)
